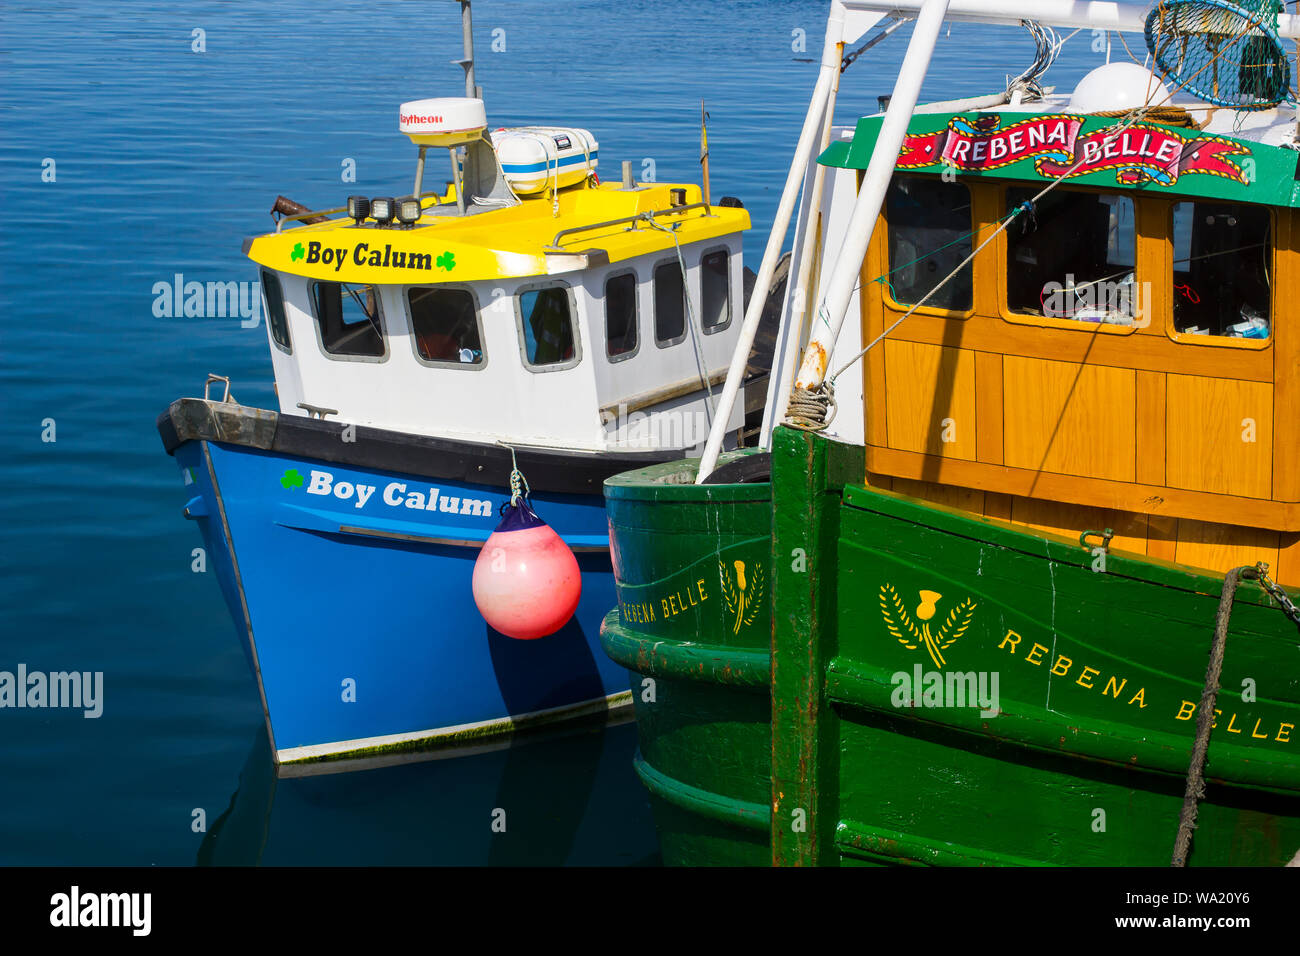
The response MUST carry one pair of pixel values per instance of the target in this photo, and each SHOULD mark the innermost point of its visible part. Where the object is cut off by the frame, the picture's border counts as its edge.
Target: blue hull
(350, 590)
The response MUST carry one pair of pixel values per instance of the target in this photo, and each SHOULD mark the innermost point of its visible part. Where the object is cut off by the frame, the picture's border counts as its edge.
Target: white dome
(443, 120)
(1118, 86)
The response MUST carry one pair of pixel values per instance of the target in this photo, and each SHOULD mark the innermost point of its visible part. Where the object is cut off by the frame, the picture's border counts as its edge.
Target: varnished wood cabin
(1171, 419)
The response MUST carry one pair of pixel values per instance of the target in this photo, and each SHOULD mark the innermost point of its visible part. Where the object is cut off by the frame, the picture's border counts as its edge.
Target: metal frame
(575, 323)
(405, 293)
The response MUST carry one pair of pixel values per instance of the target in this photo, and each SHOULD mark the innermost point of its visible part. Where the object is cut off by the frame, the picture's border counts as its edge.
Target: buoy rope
(519, 489)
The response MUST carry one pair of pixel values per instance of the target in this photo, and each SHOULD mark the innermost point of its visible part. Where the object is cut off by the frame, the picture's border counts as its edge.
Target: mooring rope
(1195, 789)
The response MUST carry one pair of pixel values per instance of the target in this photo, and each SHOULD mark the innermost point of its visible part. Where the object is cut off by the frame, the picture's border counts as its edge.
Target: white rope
(518, 483)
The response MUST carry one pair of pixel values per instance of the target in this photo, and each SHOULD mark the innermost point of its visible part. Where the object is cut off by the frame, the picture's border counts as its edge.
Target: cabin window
(546, 327)
(446, 326)
(670, 303)
(620, 316)
(275, 319)
(715, 291)
(1222, 270)
(1072, 257)
(930, 235)
(348, 319)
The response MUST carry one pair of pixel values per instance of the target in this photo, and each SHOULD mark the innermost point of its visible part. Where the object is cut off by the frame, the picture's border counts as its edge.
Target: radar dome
(1118, 86)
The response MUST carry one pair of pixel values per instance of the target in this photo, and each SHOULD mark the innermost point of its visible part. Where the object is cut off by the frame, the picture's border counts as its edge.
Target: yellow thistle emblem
(936, 641)
(742, 595)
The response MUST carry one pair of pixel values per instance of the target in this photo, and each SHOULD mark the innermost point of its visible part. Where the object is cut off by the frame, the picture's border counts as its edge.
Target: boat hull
(699, 660)
(952, 690)
(350, 588)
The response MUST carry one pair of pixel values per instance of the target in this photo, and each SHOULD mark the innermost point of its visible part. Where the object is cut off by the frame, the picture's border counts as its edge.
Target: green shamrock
(447, 261)
(291, 479)
(298, 253)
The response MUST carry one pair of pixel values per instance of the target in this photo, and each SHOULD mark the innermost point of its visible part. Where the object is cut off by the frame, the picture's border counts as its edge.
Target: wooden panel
(931, 399)
(1121, 496)
(871, 299)
(1152, 352)
(1287, 569)
(1155, 251)
(1286, 356)
(988, 407)
(1162, 537)
(1151, 428)
(997, 505)
(1069, 419)
(950, 496)
(1219, 548)
(1220, 436)
(1070, 521)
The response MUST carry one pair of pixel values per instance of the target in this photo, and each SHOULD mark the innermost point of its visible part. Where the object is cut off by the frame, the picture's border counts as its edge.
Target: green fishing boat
(1006, 581)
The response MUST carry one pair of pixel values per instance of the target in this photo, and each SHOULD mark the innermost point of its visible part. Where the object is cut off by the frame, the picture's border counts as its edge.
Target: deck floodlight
(358, 208)
(408, 210)
(381, 209)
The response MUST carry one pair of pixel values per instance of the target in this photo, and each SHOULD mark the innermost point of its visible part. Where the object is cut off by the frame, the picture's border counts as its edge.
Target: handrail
(639, 217)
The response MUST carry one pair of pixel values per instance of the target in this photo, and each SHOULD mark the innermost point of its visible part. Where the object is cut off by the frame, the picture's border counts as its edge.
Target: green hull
(700, 682)
(891, 615)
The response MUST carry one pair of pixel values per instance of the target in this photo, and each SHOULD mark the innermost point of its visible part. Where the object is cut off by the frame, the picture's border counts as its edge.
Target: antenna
(704, 150)
(467, 60)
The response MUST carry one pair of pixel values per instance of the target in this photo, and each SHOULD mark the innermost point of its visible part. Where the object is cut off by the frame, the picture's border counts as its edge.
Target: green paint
(297, 253)
(446, 261)
(291, 479)
(1080, 760)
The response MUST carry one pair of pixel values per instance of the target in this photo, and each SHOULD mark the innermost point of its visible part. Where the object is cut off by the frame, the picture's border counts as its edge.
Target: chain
(1276, 592)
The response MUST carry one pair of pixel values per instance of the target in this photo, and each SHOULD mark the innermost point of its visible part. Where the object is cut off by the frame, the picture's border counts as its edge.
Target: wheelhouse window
(930, 235)
(715, 291)
(1223, 257)
(1072, 257)
(275, 318)
(670, 303)
(546, 327)
(620, 316)
(446, 326)
(348, 318)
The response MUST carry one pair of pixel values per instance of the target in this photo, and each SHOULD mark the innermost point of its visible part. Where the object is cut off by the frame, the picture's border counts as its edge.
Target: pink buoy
(526, 580)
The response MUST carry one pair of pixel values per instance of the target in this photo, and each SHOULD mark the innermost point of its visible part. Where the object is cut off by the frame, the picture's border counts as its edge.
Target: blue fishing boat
(526, 329)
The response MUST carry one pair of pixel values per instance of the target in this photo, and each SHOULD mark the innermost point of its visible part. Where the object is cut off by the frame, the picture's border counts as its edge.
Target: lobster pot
(538, 158)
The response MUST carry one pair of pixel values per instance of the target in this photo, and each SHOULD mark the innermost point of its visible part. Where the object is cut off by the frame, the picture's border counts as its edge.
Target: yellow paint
(504, 243)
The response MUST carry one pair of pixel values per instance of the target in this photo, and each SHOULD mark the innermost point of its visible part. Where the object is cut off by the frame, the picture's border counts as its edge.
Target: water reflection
(569, 797)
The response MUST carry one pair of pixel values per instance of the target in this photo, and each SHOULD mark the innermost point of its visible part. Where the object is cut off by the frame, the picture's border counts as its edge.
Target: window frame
(285, 347)
(975, 227)
(636, 313)
(1222, 341)
(478, 322)
(726, 251)
(574, 322)
(320, 339)
(654, 303)
(1003, 252)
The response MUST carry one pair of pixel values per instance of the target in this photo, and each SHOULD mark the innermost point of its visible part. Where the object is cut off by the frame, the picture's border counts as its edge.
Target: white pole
(866, 210)
(788, 353)
(763, 282)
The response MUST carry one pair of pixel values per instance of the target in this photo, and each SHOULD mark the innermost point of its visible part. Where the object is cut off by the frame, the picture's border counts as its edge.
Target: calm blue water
(164, 160)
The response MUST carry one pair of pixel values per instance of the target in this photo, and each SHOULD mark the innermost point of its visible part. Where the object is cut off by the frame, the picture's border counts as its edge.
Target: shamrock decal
(298, 253)
(291, 479)
(446, 261)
